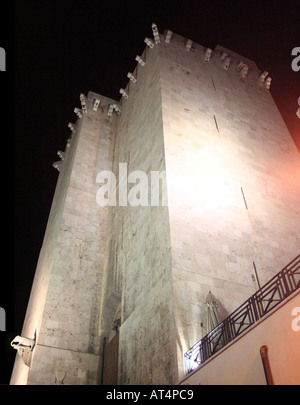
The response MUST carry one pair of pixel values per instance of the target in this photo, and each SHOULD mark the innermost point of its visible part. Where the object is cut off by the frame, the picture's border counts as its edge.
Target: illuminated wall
(233, 186)
(233, 175)
(63, 310)
(139, 261)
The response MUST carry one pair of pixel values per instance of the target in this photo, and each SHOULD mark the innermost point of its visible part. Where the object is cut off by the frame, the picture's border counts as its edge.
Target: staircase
(254, 308)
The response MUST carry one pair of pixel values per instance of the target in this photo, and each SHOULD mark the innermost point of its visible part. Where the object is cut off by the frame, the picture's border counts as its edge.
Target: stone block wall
(233, 182)
(140, 235)
(65, 313)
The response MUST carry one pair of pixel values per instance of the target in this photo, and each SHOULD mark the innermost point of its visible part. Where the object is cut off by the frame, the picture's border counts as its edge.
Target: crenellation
(96, 103)
(168, 36)
(83, 103)
(124, 94)
(131, 77)
(188, 45)
(78, 112)
(140, 60)
(155, 33)
(149, 43)
(72, 127)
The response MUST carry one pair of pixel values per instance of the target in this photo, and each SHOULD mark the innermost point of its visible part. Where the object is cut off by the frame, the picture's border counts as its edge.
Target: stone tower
(119, 291)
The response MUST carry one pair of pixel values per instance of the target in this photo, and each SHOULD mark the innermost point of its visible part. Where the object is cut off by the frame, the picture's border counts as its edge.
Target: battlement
(236, 57)
(180, 42)
(245, 69)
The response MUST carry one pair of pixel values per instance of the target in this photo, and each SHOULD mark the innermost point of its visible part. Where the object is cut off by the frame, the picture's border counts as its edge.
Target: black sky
(64, 48)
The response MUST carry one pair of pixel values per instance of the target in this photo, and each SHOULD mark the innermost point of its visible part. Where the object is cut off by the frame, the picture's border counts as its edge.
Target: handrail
(255, 307)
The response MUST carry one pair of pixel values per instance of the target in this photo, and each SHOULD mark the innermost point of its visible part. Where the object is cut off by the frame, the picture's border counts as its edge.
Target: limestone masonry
(119, 291)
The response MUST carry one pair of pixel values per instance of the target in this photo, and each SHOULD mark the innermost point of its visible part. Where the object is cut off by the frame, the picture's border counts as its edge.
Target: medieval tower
(120, 288)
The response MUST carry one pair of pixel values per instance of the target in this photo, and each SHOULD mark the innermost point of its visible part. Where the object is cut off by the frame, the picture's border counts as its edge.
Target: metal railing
(259, 304)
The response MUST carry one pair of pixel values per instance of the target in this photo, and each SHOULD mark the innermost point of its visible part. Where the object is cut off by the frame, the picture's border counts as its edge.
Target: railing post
(256, 307)
(284, 283)
(287, 291)
(227, 331)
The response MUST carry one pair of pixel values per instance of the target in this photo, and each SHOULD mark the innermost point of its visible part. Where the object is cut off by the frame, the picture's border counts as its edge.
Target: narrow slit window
(245, 202)
(213, 83)
(216, 124)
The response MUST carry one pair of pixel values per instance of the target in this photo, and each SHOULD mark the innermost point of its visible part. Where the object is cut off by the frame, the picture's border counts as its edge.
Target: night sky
(64, 48)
